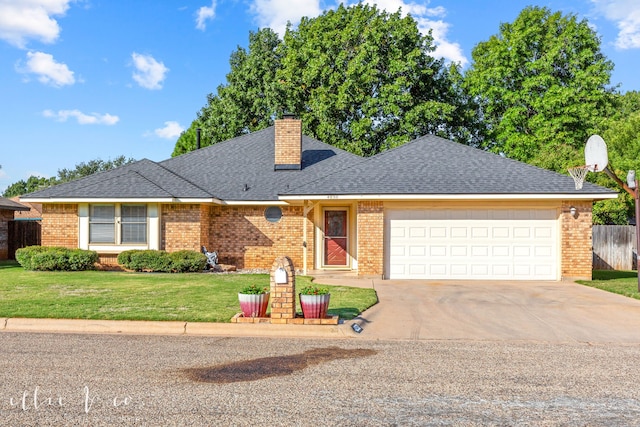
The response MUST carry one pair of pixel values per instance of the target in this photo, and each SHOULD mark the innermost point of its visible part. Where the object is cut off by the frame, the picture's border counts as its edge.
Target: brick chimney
(288, 144)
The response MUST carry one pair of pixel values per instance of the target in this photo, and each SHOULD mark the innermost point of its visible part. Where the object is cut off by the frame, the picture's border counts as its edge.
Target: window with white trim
(134, 224)
(118, 224)
(102, 224)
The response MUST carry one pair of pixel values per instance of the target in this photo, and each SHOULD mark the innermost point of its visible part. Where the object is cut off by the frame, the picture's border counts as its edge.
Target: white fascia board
(204, 200)
(120, 200)
(254, 203)
(98, 200)
(566, 196)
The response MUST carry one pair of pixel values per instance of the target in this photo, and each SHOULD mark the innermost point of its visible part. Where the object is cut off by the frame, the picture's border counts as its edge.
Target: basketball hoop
(579, 173)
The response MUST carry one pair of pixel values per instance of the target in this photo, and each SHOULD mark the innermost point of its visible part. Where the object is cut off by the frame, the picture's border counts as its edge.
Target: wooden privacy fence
(614, 247)
(23, 234)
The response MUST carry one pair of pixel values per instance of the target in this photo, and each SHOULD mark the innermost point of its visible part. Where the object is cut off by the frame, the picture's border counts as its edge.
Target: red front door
(335, 238)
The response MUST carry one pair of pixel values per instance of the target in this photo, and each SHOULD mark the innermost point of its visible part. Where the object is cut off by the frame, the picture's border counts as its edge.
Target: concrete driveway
(511, 311)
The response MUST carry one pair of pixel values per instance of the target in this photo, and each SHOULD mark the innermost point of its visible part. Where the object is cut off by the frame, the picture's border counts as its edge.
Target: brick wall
(370, 238)
(60, 225)
(182, 227)
(244, 238)
(5, 217)
(577, 252)
(206, 227)
(288, 143)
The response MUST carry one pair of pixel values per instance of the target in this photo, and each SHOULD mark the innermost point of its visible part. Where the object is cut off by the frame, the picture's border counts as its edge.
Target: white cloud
(82, 118)
(626, 15)
(49, 71)
(170, 130)
(428, 18)
(149, 73)
(205, 14)
(444, 48)
(275, 13)
(30, 19)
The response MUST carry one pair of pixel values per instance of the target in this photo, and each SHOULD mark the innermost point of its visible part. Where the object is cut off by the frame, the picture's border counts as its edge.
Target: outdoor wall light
(574, 211)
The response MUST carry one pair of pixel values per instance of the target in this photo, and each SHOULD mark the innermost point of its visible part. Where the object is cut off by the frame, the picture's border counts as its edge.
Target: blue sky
(88, 79)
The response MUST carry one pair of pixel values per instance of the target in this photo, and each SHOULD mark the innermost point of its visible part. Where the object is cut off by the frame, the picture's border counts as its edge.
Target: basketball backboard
(595, 154)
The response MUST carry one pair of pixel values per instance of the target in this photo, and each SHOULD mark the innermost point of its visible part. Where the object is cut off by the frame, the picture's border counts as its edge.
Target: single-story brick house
(7, 209)
(429, 209)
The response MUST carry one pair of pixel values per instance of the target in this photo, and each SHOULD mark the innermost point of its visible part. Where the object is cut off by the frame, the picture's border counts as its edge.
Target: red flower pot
(314, 306)
(254, 305)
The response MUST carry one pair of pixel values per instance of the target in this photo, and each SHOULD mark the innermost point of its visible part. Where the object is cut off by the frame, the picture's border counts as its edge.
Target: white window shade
(134, 223)
(102, 224)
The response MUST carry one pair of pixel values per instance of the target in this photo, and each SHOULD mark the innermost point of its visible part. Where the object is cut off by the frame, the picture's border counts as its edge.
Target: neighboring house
(34, 213)
(26, 228)
(7, 208)
(429, 209)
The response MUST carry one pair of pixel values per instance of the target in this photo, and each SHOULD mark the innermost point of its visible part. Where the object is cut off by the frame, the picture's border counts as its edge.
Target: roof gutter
(559, 196)
(121, 200)
(254, 203)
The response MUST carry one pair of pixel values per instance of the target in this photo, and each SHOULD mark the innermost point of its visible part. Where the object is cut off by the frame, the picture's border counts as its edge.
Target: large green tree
(29, 185)
(89, 168)
(543, 86)
(82, 169)
(359, 78)
(365, 80)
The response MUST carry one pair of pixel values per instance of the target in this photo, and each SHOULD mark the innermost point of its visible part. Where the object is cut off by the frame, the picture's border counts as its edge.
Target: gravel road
(118, 380)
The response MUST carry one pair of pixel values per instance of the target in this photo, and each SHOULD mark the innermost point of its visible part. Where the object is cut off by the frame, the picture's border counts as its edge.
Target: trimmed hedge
(188, 261)
(53, 258)
(161, 261)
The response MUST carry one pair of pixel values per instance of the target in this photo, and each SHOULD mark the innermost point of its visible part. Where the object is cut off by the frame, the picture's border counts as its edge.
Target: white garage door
(472, 244)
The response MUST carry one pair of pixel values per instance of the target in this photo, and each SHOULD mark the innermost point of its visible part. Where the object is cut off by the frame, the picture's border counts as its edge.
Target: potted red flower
(314, 301)
(254, 301)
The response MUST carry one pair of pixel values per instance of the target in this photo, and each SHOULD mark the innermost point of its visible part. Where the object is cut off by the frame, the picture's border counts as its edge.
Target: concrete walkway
(425, 310)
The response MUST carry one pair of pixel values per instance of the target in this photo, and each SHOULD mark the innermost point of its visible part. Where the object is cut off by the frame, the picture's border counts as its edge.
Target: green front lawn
(618, 282)
(192, 297)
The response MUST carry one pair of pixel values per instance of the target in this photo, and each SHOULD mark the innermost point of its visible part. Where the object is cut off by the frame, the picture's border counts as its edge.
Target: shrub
(44, 258)
(50, 260)
(80, 260)
(124, 258)
(145, 260)
(24, 256)
(187, 261)
(161, 261)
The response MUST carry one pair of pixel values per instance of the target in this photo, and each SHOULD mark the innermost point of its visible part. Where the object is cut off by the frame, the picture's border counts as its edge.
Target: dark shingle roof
(143, 179)
(242, 169)
(225, 168)
(219, 171)
(433, 165)
(10, 205)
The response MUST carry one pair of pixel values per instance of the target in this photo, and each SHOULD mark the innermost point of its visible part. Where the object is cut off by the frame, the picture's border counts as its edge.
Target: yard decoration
(314, 301)
(254, 301)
